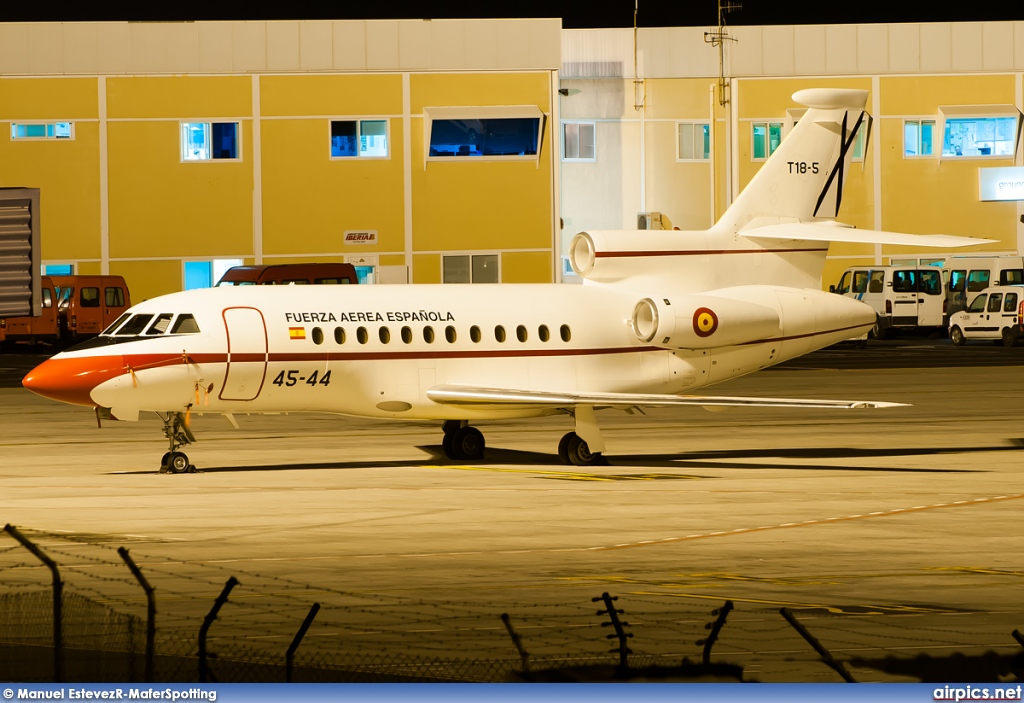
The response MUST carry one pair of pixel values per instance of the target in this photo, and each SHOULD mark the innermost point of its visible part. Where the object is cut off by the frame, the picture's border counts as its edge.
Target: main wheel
(163, 461)
(878, 332)
(563, 447)
(956, 335)
(1009, 337)
(177, 463)
(580, 454)
(467, 443)
(447, 444)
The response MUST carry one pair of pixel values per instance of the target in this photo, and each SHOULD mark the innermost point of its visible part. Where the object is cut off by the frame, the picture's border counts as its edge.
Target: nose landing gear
(178, 435)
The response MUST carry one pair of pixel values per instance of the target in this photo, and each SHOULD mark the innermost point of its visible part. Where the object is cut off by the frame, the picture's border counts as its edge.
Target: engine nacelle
(702, 322)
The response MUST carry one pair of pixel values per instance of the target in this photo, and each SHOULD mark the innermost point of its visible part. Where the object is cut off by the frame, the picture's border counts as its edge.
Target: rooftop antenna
(638, 84)
(718, 39)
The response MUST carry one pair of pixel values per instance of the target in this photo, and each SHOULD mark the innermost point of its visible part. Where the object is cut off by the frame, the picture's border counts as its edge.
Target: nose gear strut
(178, 434)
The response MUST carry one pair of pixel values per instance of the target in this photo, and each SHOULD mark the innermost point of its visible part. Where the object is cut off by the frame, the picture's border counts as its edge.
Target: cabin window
(362, 336)
(543, 333)
(42, 130)
(693, 141)
(977, 280)
(474, 333)
(134, 326)
(89, 297)
(1011, 303)
(339, 335)
(578, 141)
(499, 333)
(449, 334)
(318, 335)
(385, 335)
(978, 304)
(160, 324)
(185, 324)
(521, 333)
(359, 138)
(566, 333)
(407, 335)
(47, 298)
(995, 301)
(117, 323)
(428, 335)
(206, 141)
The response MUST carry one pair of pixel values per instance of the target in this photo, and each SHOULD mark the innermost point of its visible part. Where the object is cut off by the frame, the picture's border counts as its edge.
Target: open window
(979, 131)
(494, 133)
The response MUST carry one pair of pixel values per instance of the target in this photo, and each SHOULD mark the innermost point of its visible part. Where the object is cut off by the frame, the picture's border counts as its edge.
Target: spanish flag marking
(296, 332)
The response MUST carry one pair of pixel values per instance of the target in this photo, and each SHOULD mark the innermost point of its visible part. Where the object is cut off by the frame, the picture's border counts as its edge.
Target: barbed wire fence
(269, 628)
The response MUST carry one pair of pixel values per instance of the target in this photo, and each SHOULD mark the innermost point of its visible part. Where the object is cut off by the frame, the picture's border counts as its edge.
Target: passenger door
(246, 367)
(904, 297)
(929, 297)
(974, 316)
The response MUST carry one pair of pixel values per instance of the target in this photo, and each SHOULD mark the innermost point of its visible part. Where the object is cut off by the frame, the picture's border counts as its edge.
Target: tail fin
(802, 181)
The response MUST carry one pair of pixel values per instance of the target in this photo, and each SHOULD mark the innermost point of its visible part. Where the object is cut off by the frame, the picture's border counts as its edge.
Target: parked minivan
(287, 274)
(86, 305)
(995, 313)
(903, 297)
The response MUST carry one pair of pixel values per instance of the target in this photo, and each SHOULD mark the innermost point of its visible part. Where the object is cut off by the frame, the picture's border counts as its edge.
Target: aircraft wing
(470, 395)
(809, 231)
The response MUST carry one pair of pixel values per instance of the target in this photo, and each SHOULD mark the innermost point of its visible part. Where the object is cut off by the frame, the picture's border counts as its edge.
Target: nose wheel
(178, 435)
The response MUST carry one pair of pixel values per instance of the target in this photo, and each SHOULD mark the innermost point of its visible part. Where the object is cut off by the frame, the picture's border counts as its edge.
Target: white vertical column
(257, 174)
(101, 101)
(876, 159)
(407, 169)
(1018, 100)
(555, 163)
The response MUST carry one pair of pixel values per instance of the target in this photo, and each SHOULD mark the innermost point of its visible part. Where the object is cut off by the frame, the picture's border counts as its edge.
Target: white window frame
(359, 135)
(470, 255)
(959, 112)
(32, 123)
(209, 131)
(593, 127)
(919, 121)
(693, 123)
(767, 137)
(488, 112)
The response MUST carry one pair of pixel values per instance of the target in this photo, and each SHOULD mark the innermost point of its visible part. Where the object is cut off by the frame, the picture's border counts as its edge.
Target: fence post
(826, 655)
(518, 642)
(150, 611)
(289, 657)
(58, 594)
(204, 670)
(618, 626)
(715, 628)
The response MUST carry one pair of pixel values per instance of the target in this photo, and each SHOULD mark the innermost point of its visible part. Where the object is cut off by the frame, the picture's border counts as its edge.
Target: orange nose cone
(71, 379)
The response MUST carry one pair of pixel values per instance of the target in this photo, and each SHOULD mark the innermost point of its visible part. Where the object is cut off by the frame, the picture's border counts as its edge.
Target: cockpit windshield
(151, 325)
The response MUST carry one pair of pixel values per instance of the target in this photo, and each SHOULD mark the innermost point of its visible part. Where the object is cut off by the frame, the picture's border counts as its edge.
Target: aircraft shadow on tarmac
(718, 459)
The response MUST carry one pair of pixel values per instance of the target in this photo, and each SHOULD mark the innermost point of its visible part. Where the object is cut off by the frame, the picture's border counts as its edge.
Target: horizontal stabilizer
(468, 395)
(811, 232)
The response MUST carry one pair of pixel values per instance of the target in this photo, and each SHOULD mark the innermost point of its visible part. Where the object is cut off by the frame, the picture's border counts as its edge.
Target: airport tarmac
(890, 533)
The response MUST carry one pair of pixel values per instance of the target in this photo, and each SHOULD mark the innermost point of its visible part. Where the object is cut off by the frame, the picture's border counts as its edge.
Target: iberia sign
(368, 236)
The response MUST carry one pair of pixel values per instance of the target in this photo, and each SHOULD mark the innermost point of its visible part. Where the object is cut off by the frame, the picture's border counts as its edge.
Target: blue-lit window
(205, 141)
(42, 130)
(694, 141)
(355, 138)
(859, 141)
(494, 137)
(979, 136)
(198, 274)
(918, 137)
(767, 136)
(58, 270)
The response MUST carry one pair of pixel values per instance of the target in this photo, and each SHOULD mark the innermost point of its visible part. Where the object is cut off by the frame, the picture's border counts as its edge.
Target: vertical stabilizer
(803, 179)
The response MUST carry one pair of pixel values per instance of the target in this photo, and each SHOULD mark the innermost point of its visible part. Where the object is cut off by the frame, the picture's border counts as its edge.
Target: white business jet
(660, 315)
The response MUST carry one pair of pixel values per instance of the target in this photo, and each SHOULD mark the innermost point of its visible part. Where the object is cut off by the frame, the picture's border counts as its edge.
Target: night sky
(576, 14)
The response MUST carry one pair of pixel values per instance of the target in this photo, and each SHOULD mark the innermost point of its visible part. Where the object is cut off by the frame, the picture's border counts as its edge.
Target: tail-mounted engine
(702, 322)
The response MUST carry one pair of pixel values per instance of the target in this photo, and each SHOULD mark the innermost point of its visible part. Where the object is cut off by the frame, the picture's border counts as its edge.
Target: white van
(903, 297)
(995, 313)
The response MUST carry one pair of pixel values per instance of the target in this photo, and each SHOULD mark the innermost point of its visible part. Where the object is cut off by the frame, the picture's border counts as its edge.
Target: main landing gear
(584, 447)
(178, 435)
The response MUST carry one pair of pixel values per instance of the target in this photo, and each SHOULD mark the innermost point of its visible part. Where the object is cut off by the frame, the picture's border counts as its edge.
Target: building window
(42, 130)
(203, 274)
(859, 141)
(206, 141)
(359, 138)
(979, 136)
(767, 137)
(693, 141)
(465, 268)
(918, 137)
(578, 141)
(488, 133)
